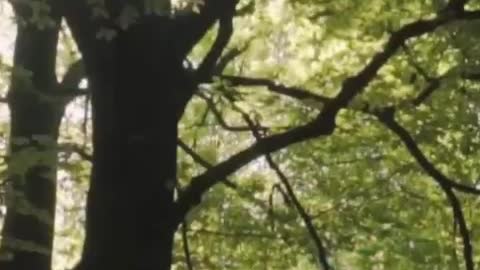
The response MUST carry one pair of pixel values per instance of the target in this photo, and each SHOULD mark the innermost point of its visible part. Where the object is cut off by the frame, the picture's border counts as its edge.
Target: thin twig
(218, 115)
(306, 218)
(294, 92)
(445, 183)
(186, 248)
(197, 158)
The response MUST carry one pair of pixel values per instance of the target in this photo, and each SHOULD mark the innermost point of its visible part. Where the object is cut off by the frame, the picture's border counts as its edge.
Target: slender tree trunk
(27, 236)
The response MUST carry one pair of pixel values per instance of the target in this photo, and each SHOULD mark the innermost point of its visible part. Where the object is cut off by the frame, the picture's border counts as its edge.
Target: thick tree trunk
(130, 210)
(27, 236)
(139, 90)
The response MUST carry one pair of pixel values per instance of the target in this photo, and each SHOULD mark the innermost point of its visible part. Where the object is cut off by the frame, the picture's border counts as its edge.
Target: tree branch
(354, 85)
(414, 64)
(241, 235)
(459, 218)
(293, 92)
(201, 183)
(246, 9)
(186, 248)
(228, 57)
(324, 124)
(197, 158)
(225, 31)
(218, 115)
(446, 184)
(77, 149)
(68, 88)
(74, 75)
(427, 92)
(195, 26)
(306, 218)
(386, 117)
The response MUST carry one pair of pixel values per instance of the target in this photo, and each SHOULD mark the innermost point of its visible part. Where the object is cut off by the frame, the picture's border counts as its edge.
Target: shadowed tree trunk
(37, 103)
(27, 235)
(130, 203)
(139, 91)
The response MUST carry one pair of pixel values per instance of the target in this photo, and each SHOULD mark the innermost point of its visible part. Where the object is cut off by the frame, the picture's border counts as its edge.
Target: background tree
(36, 101)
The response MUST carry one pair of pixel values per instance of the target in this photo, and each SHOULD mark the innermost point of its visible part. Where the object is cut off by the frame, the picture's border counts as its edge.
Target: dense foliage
(380, 192)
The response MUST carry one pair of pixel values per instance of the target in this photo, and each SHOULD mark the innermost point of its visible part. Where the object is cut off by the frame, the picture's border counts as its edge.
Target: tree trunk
(27, 236)
(130, 209)
(139, 90)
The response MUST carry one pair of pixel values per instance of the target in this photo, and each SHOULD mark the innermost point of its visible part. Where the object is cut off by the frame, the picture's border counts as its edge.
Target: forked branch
(324, 124)
(445, 183)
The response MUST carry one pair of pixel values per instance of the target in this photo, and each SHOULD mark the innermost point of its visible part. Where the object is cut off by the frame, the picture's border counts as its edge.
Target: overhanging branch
(324, 124)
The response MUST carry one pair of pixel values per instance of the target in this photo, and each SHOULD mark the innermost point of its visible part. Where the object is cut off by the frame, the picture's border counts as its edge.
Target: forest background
(360, 121)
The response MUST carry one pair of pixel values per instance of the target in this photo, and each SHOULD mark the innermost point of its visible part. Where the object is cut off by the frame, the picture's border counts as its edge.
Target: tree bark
(139, 91)
(130, 213)
(27, 235)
